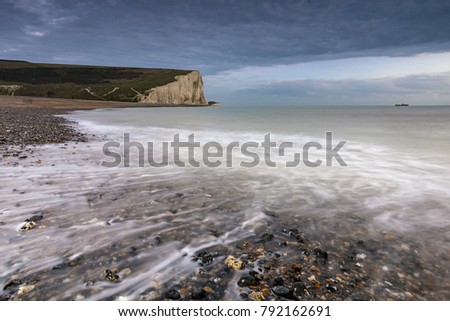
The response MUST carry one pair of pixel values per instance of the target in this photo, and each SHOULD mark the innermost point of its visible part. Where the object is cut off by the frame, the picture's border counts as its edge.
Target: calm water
(394, 191)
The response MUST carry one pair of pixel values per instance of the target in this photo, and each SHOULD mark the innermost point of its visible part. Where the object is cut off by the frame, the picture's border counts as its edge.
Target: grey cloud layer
(219, 35)
(420, 89)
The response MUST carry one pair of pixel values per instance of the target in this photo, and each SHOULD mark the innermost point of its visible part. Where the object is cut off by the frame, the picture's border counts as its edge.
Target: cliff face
(185, 90)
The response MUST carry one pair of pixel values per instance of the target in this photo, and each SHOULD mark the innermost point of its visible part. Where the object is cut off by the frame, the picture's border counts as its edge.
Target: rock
(28, 226)
(314, 269)
(278, 281)
(247, 281)
(208, 290)
(198, 294)
(74, 262)
(321, 256)
(12, 283)
(298, 290)
(331, 288)
(5, 297)
(35, 218)
(184, 292)
(256, 296)
(266, 237)
(125, 272)
(59, 266)
(24, 289)
(157, 240)
(173, 295)
(361, 256)
(203, 257)
(234, 263)
(207, 259)
(110, 276)
(282, 291)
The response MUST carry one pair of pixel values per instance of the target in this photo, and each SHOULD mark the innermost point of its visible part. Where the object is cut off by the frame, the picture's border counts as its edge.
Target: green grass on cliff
(71, 81)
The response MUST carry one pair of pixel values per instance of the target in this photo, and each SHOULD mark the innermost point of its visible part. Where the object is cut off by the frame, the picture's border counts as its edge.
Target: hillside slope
(159, 86)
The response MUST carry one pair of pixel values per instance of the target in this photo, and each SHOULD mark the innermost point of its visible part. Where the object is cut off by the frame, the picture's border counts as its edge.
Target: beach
(376, 229)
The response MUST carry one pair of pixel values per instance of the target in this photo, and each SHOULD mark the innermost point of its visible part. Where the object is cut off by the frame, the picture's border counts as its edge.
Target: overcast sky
(251, 52)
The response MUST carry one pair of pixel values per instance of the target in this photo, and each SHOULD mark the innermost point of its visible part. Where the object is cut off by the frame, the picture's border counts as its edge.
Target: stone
(24, 289)
(256, 296)
(198, 294)
(278, 281)
(110, 276)
(247, 281)
(282, 291)
(234, 263)
(298, 290)
(28, 226)
(74, 262)
(173, 295)
(321, 256)
(12, 283)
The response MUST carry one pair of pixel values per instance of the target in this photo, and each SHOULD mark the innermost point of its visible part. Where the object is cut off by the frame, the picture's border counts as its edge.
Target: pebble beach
(167, 238)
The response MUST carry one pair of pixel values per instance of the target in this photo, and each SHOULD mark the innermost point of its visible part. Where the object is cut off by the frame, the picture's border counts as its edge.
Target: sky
(305, 52)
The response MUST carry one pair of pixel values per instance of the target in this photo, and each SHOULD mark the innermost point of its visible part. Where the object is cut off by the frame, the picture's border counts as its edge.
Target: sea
(156, 189)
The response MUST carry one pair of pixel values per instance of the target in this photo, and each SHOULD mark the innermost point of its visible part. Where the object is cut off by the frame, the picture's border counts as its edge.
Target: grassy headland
(21, 78)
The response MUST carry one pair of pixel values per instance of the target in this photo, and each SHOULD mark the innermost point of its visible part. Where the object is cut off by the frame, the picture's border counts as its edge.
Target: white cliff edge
(185, 90)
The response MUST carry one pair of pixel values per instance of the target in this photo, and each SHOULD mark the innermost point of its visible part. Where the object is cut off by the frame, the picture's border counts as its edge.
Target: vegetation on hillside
(23, 78)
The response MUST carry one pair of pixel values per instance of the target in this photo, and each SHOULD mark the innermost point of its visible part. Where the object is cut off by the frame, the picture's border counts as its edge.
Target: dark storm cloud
(219, 35)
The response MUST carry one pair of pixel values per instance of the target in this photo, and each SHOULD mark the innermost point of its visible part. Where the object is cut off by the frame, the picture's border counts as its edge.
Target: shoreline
(26, 122)
(74, 104)
(22, 129)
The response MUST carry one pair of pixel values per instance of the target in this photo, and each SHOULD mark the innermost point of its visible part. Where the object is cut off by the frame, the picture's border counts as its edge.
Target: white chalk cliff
(185, 90)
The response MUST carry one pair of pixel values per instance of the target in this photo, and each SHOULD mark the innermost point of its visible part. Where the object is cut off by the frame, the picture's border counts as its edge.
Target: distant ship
(401, 105)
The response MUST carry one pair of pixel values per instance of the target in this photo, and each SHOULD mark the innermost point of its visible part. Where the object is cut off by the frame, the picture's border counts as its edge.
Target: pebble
(208, 290)
(74, 262)
(278, 281)
(234, 263)
(298, 290)
(184, 292)
(28, 226)
(173, 295)
(35, 218)
(126, 271)
(361, 256)
(59, 266)
(256, 296)
(198, 294)
(331, 288)
(110, 276)
(24, 289)
(321, 256)
(12, 283)
(282, 291)
(247, 281)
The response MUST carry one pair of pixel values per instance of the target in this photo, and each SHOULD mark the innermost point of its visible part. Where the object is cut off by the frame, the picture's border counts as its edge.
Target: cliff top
(22, 78)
